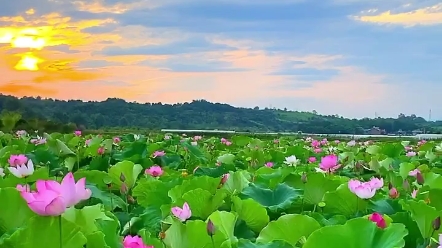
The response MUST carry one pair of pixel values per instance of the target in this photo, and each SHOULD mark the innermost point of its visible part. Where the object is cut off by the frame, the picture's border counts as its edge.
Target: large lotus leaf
(251, 212)
(290, 228)
(316, 186)
(279, 198)
(203, 182)
(128, 169)
(150, 191)
(86, 217)
(202, 202)
(14, 210)
(45, 232)
(343, 201)
(245, 243)
(237, 181)
(358, 233)
(423, 215)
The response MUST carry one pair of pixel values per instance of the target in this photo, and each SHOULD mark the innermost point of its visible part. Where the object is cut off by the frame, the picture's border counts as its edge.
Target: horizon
(232, 105)
(352, 58)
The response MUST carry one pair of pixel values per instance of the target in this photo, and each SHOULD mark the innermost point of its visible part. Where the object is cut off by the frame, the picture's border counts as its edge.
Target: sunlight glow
(28, 62)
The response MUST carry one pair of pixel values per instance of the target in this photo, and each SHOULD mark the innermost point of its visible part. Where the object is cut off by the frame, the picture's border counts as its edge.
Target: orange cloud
(425, 16)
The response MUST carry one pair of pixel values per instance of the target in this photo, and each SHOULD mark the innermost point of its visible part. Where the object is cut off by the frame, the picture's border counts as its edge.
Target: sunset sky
(346, 57)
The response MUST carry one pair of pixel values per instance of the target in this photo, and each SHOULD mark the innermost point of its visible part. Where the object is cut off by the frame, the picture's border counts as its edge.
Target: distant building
(374, 131)
(417, 131)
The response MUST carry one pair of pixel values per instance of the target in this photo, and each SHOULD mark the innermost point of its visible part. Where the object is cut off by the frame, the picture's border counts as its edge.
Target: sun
(24, 38)
(28, 62)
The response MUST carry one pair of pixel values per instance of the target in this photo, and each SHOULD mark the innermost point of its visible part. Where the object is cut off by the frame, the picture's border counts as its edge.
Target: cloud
(299, 54)
(423, 16)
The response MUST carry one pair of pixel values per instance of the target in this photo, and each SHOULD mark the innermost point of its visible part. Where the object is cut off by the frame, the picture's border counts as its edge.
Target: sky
(355, 58)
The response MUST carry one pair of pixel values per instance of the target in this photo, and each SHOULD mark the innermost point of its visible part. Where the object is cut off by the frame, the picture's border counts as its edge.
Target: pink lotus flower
(410, 154)
(362, 190)
(182, 213)
(337, 141)
(378, 219)
(38, 141)
(228, 143)
(311, 159)
(21, 133)
(23, 170)
(315, 143)
(77, 133)
(52, 198)
(134, 242)
(100, 150)
(116, 140)
(329, 163)
(15, 160)
(87, 142)
(317, 150)
(269, 164)
(158, 154)
(196, 138)
(376, 183)
(155, 171)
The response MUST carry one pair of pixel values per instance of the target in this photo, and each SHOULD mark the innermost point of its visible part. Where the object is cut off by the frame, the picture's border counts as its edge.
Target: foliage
(194, 115)
(199, 192)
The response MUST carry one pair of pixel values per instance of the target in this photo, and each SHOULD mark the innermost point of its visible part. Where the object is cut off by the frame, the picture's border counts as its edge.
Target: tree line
(50, 115)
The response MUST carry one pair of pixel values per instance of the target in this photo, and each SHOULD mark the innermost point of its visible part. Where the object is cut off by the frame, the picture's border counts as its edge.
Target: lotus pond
(170, 191)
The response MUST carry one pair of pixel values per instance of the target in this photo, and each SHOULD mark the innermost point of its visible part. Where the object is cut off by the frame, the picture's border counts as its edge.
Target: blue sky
(346, 57)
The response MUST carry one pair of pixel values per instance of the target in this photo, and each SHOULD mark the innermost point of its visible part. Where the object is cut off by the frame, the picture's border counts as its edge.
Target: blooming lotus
(154, 171)
(362, 190)
(22, 170)
(311, 159)
(77, 133)
(269, 164)
(158, 154)
(329, 163)
(414, 172)
(411, 154)
(182, 213)
(376, 183)
(15, 160)
(100, 150)
(38, 141)
(134, 242)
(351, 143)
(52, 198)
(291, 160)
(116, 140)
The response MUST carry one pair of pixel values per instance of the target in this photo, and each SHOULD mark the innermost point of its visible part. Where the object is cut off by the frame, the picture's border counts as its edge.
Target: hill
(198, 114)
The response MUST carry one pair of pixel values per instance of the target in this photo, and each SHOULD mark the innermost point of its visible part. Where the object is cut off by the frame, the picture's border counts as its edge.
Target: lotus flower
(154, 171)
(361, 189)
(77, 133)
(182, 213)
(23, 170)
(52, 198)
(158, 154)
(378, 219)
(329, 163)
(134, 242)
(291, 160)
(15, 160)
